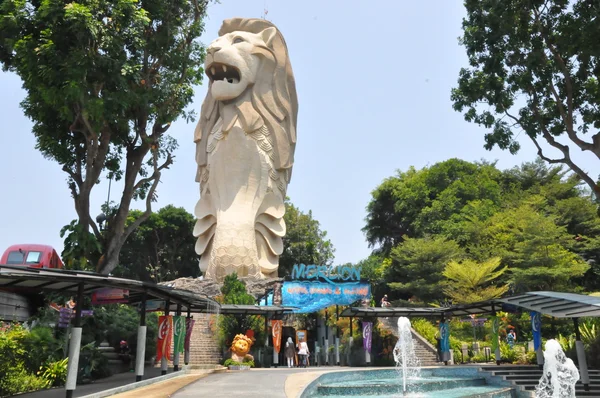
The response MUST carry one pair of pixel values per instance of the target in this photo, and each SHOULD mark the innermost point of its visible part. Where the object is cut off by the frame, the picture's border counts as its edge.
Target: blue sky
(373, 82)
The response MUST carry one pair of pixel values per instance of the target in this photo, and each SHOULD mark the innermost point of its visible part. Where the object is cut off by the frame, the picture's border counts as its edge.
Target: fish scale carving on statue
(245, 141)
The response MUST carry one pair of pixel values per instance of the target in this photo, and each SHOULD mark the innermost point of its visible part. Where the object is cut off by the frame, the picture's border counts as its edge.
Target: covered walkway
(34, 281)
(554, 304)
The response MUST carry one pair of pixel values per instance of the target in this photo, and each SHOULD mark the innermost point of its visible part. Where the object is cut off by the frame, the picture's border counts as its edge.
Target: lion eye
(237, 40)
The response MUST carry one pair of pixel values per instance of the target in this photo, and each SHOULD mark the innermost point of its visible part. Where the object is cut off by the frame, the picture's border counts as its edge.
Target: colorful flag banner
(165, 329)
(178, 333)
(495, 331)
(367, 335)
(444, 337)
(276, 328)
(536, 328)
(189, 326)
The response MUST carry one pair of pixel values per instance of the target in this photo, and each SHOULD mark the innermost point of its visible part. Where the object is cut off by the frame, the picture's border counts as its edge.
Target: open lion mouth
(222, 72)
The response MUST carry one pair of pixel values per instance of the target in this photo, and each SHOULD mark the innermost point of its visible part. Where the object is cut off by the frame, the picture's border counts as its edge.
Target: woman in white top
(303, 352)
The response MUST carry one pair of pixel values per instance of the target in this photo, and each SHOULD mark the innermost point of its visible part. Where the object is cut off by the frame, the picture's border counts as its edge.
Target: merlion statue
(245, 141)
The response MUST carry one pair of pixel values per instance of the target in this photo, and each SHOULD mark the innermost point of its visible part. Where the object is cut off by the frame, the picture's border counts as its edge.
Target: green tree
(161, 248)
(416, 203)
(234, 292)
(536, 249)
(304, 242)
(471, 281)
(374, 269)
(533, 67)
(104, 81)
(418, 265)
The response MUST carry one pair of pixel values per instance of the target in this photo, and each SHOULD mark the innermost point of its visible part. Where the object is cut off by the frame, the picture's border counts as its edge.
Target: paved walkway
(117, 380)
(257, 383)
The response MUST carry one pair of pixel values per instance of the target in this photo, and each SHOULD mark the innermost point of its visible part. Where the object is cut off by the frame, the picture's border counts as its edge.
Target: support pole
(186, 353)
(497, 355)
(74, 346)
(350, 344)
(337, 336)
(583, 368)
(326, 339)
(176, 354)
(164, 364)
(140, 352)
(266, 340)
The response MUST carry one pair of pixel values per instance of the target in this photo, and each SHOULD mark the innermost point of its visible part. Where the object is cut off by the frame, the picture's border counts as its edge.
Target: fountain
(560, 374)
(429, 382)
(407, 363)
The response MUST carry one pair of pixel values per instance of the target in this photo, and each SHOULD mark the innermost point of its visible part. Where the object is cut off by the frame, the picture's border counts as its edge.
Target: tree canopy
(472, 282)
(535, 219)
(304, 242)
(533, 68)
(104, 81)
(161, 248)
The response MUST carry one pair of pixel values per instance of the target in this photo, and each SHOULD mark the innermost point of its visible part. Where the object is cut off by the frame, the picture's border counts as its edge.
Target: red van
(35, 256)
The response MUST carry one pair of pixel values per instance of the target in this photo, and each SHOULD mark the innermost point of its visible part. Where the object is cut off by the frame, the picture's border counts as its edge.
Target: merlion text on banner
(314, 296)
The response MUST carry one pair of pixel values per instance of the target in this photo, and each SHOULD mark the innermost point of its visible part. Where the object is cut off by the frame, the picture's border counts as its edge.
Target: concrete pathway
(117, 380)
(253, 383)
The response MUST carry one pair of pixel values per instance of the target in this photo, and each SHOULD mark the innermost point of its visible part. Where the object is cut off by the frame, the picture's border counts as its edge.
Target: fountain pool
(447, 382)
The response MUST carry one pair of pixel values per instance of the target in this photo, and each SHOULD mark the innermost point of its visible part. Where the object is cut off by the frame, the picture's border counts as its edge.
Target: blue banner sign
(314, 296)
(536, 328)
(327, 273)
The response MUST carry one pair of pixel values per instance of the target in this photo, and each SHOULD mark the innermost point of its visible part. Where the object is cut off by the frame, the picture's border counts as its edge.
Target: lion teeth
(212, 70)
(224, 68)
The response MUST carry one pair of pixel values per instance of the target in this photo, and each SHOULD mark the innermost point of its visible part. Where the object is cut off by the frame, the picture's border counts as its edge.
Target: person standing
(303, 352)
(289, 352)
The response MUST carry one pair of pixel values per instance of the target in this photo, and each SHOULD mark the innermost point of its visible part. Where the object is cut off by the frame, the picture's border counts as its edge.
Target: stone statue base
(212, 289)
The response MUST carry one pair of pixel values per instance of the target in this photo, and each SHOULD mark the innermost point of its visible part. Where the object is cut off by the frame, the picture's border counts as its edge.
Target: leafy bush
(118, 322)
(425, 329)
(54, 373)
(481, 358)
(41, 347)
(19, 381)
(234, 292)
(15, 376)
(231, 362)
(92, 364)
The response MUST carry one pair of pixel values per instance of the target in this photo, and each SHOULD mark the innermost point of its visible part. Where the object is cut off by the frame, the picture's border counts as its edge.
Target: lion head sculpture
(249, 65)
(240, 348)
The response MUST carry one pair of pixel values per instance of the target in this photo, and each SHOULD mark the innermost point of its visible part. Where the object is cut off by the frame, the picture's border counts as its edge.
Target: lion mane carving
(245, 141)
(240, 347)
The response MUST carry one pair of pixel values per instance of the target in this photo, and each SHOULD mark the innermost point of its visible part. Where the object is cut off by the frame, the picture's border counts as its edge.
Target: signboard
(301, 336)
(153, 306)
(314, 296)
(66, 314)
(475, 321)
(326, 273)
(110, 296)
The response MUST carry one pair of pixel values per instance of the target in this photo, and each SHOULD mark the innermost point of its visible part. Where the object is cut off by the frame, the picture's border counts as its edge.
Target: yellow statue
(240, 348)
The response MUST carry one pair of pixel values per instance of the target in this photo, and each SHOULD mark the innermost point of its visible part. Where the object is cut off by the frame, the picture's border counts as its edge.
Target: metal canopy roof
(270, 311)
(391, 311)
(558, 305)
(25, 280)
